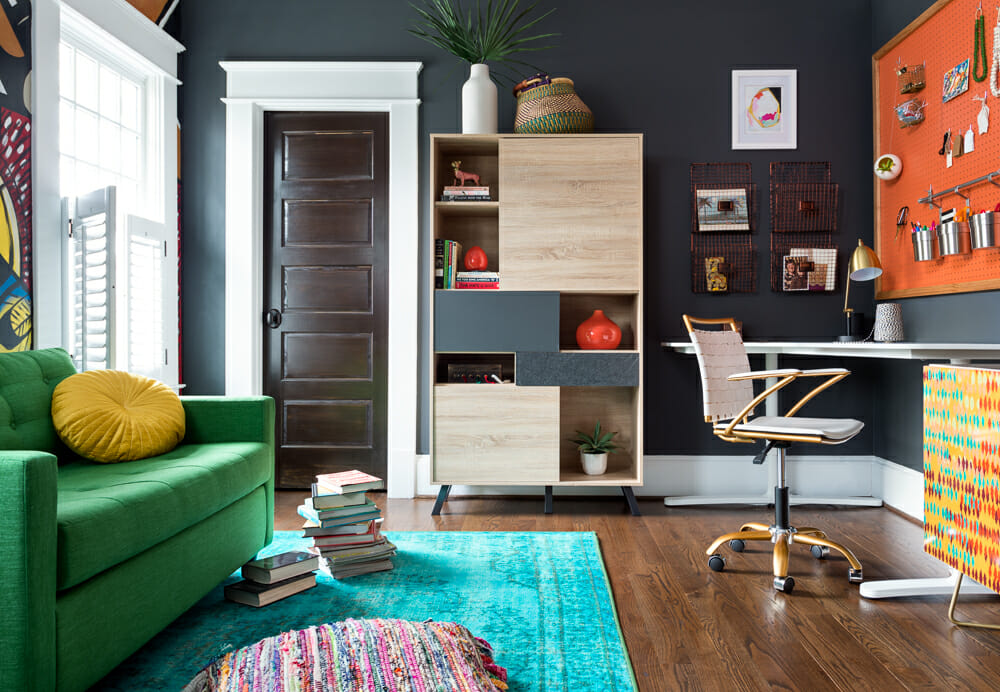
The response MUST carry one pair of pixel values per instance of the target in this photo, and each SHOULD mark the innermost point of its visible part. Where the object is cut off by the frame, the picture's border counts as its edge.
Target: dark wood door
(326, 302)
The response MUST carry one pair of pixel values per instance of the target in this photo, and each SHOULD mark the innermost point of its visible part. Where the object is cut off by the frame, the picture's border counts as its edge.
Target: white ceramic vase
(594, 464)
(479, 102)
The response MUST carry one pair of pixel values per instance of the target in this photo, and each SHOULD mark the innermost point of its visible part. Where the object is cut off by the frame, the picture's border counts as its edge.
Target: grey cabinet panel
(578, 369)
(496, 321)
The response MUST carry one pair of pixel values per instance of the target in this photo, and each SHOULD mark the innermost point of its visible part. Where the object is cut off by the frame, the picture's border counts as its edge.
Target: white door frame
(252, 88)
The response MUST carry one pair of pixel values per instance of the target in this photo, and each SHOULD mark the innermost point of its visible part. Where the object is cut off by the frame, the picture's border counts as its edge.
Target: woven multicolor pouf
(359, 655)
(550, 106)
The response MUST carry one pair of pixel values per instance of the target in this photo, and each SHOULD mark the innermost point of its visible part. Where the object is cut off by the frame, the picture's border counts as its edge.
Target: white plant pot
(479, 102)
(594, 464)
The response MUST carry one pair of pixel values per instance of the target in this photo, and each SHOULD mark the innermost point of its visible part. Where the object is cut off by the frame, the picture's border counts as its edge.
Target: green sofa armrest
(28, 570)
(233, 419)
(229, 419)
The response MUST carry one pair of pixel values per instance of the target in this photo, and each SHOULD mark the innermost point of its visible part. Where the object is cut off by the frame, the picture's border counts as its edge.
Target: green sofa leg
(28, 570)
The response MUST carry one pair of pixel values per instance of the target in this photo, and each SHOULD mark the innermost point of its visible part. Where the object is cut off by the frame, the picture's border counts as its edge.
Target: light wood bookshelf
(565, 218)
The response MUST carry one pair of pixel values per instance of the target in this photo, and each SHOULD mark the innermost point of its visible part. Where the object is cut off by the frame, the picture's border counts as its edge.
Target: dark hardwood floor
(688, 628)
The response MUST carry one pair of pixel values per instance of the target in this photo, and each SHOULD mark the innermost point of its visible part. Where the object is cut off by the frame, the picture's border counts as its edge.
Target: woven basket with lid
(547, 106)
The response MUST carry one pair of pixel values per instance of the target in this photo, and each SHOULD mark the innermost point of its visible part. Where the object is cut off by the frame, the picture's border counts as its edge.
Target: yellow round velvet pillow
(110, 415)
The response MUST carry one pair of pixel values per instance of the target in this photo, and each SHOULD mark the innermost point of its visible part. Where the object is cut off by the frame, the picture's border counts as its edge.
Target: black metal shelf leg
(548, 499)
(630, 499)
(442, 496)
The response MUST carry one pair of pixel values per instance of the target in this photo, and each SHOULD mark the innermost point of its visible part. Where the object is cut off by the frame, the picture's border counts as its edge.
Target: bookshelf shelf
(565, 235)
(467, 208)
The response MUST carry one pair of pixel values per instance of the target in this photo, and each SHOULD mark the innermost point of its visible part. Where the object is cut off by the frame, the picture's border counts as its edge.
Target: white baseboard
(729, 475)
(900, 487)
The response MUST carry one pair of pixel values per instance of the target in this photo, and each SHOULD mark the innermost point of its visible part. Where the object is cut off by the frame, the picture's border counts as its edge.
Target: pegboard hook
(989, 179)
(930, 198)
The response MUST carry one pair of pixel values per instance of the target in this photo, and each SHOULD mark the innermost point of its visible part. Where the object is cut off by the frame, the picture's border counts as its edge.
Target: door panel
(326, 271)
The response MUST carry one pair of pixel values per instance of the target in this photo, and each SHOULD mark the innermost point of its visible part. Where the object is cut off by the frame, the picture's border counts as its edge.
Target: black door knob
(272, 318)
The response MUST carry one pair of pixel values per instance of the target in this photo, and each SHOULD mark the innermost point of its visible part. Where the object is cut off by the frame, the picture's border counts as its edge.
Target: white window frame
(157, 51)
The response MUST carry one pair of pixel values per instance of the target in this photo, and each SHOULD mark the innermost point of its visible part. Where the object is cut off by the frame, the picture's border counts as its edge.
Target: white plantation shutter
(90, 263)
(152, 296)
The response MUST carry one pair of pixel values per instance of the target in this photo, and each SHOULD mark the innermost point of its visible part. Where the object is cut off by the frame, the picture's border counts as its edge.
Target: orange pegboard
(940, 39)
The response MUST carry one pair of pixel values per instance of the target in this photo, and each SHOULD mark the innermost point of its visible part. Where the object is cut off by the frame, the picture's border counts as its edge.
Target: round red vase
(475, 259)
(598, 332)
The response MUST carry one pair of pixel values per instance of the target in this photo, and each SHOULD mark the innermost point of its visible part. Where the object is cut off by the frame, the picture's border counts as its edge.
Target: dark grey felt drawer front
(591, 369)
(497, 321)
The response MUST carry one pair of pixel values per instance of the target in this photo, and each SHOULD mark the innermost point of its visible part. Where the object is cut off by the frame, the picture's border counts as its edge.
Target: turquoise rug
(542, 600)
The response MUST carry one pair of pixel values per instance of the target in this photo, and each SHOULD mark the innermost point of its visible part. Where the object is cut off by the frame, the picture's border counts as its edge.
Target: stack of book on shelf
(466, 193)
(270, 579)
(344, 525)
(447, 255)
(477, 279)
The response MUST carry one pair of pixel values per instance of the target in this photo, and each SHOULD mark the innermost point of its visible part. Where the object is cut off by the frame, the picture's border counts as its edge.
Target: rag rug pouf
(372, 655)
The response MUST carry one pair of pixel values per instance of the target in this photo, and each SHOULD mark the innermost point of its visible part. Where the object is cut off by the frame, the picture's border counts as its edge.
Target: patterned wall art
(962, 469)
(15, 177)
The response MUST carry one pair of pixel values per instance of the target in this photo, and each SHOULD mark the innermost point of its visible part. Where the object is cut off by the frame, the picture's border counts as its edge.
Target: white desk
(771, 350)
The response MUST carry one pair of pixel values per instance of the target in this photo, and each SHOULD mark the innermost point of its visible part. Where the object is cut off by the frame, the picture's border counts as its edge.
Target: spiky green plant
(493, 36)
(596, 443)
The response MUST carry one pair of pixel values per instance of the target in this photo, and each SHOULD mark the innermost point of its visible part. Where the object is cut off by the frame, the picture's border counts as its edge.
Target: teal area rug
(542, 600)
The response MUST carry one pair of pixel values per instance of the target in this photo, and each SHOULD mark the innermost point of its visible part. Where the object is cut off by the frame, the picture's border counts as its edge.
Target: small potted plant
(594, 450)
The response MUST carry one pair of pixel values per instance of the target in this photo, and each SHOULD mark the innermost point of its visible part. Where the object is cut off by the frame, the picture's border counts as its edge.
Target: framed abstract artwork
(764, 109)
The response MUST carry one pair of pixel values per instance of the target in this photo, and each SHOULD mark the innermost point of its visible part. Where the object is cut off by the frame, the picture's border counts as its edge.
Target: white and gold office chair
(729, 401)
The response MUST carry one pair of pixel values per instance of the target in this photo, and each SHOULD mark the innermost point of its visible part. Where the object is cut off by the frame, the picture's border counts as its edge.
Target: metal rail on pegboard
(723, 254)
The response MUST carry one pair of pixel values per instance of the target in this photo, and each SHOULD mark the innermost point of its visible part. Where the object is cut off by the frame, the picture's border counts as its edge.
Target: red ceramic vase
(475, 259)
(598, 332)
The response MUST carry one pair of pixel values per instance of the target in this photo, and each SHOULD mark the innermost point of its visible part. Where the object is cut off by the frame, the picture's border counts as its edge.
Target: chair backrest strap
(720, 354)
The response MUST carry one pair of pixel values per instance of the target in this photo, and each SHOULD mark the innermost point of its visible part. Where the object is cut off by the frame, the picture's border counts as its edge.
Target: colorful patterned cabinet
(962, 469)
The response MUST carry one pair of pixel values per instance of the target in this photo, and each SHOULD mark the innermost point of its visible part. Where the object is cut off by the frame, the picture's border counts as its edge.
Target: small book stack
(344, 525)
(477, 279)
(466, 193)
(447, 255)
(270, 579)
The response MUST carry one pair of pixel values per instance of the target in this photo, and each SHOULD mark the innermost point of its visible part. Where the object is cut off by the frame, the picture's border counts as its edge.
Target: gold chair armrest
(742, 415)
(833, 379)
(763, 374)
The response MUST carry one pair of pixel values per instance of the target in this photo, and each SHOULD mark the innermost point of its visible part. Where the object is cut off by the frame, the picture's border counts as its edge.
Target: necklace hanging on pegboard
(979, 48)
(995, 67)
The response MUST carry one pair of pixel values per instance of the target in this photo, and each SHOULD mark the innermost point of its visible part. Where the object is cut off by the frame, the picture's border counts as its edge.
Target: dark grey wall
(658, 68)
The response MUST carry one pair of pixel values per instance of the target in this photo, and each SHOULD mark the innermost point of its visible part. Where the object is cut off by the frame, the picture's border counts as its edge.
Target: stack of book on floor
(466, 193)
(270, 579)
(344, 525)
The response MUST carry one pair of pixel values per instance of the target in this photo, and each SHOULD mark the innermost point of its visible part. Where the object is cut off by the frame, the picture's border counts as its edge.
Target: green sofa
(95, 559)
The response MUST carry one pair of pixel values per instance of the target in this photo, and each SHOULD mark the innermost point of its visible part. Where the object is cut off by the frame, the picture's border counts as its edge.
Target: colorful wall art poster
(764, 109)
(15, 177)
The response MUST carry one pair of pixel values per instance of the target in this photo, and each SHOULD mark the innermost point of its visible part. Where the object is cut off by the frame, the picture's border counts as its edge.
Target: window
(120, 256)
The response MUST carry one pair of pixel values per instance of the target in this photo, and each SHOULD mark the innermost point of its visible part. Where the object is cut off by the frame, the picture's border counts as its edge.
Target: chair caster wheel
(737, 545)
(785, 584)
(717, 563)
(855, 576)
(819, 551)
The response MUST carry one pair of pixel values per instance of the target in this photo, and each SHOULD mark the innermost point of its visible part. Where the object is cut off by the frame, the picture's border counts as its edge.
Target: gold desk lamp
(864, 266)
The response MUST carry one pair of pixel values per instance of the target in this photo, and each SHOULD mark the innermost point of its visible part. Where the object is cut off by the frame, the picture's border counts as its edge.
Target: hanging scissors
(901, 217)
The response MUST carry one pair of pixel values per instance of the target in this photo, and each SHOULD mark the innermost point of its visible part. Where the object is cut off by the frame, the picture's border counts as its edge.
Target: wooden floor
(688, 628)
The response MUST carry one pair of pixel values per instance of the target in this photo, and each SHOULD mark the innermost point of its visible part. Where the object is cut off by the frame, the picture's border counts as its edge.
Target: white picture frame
(765, 109)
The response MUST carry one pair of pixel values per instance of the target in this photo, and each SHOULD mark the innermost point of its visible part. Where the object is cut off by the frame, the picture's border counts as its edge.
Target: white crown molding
(327, 67)
(130, 26)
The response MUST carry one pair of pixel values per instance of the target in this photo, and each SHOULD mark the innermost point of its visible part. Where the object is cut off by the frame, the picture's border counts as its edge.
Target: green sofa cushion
(109, 513)
(26, 383)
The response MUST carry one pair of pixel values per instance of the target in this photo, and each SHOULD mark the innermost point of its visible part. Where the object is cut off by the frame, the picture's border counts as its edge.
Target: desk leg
(771, 408)
(933, 586)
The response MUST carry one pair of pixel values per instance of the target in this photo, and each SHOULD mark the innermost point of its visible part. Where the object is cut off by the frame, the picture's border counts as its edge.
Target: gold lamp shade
(864, 264)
